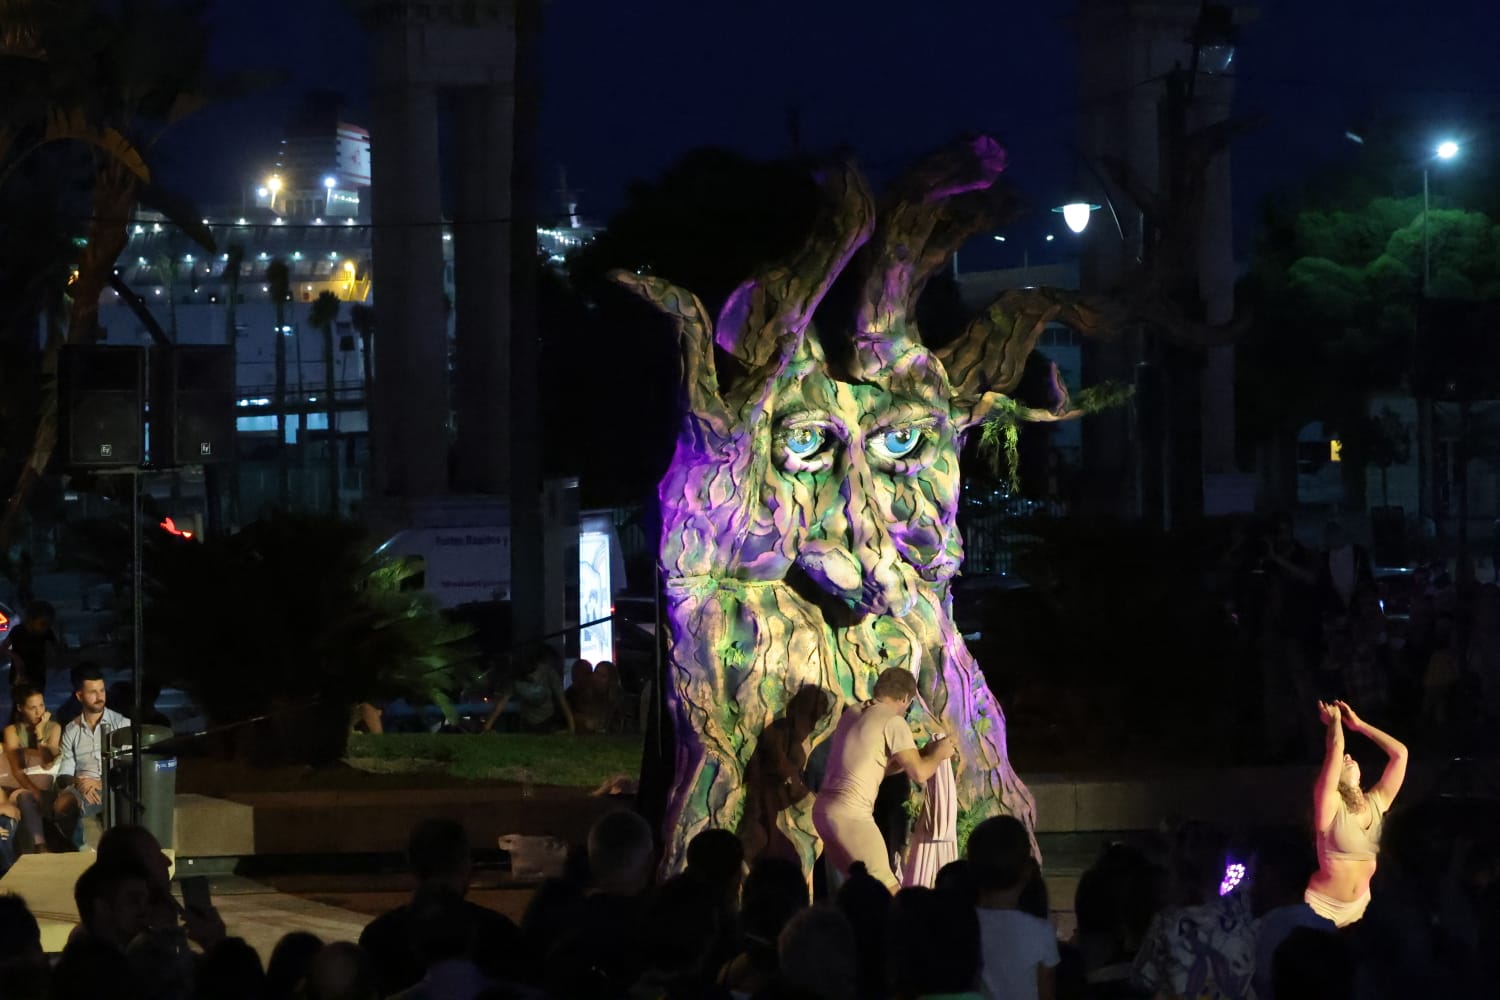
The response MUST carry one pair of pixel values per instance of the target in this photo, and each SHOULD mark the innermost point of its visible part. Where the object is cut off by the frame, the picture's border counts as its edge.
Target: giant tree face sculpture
(809, 531)
(867, 473)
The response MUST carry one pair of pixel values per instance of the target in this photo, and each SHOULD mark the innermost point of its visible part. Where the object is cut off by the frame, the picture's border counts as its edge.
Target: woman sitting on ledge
(1348, 819)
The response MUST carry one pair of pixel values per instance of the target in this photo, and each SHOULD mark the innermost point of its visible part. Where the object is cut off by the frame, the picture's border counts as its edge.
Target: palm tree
(108, 78)
(319, 624)
(363, 318)
(324, 314)
(279, 280)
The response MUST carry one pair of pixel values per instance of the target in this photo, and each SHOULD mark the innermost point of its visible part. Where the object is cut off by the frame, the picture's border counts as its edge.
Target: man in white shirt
(80, 771)
(871, 741)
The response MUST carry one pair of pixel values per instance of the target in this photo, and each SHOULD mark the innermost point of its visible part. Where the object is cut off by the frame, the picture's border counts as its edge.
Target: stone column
(411, 341)
(484, 125)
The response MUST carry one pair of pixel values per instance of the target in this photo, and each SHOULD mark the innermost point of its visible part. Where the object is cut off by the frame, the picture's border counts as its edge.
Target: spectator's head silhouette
(231, 970)
(341, 972)
(817, 953)
(932, 944)
(716, 859)
(113, 901)
(621, 849)
(438, 851)
(866, 902)
(290, 960)
(999, 852)
(774, 890)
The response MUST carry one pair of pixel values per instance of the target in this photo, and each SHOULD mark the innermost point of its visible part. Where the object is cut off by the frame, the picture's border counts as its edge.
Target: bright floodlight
(274, 183)
(1447, 150)
(329, 183)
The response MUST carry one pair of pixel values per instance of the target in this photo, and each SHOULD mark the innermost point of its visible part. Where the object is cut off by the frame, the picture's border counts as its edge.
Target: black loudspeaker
(192, 405)
(101, 406)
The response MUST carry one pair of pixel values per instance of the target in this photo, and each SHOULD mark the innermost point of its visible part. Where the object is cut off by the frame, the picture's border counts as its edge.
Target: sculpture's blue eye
(900, 441)
(803, 441)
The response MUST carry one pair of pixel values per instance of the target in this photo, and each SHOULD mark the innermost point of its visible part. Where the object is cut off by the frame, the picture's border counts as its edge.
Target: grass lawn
(561, 759)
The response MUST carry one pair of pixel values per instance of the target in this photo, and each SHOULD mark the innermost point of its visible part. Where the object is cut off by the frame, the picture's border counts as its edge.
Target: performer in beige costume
(871, 741)
(1348, 818)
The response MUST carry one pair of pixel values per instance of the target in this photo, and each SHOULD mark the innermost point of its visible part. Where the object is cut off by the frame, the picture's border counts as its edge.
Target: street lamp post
(1426, 488)
(1445, 150)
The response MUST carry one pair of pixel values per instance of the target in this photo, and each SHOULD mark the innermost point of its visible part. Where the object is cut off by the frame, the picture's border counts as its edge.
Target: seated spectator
(598, 952)
(1020, 949)
(24, 970)
(80, 772)
(1114, 904)
(817, 954)
(113, 903)
(957, 879)
(164, 968)
(716, 860)
(547, 919)
(679, 935)
(231, 971)
(437, 852)
(341, 971)
(933, 947)
(290, 960)
(867, 903)
(442, 939)
(137, 846)
(33, 740)
(1280, 869)
(1202, 944)
(774, 891)
(538, 693)
(592, 695)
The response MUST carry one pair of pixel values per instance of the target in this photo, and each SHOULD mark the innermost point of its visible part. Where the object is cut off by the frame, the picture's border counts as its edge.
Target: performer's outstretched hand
(1353, 722)
(941, 748)
(1329, 712)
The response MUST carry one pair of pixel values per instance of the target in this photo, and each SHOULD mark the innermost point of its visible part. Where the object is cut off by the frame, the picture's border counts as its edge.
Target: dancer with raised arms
(1347, 818)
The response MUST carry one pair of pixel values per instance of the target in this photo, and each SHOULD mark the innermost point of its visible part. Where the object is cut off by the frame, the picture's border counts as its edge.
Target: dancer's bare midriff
(1345, 879)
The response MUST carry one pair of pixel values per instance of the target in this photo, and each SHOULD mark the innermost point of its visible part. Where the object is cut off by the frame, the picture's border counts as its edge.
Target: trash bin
(158, 773)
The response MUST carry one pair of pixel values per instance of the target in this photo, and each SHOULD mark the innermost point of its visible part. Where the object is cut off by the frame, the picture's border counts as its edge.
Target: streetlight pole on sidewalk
(1445, 150)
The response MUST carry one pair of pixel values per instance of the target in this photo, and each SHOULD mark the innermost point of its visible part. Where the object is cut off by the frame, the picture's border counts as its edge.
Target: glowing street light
(1447, 150)
(1076, 214)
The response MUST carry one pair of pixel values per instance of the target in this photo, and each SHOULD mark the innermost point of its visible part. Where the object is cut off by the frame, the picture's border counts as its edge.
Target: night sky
(629, 87)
